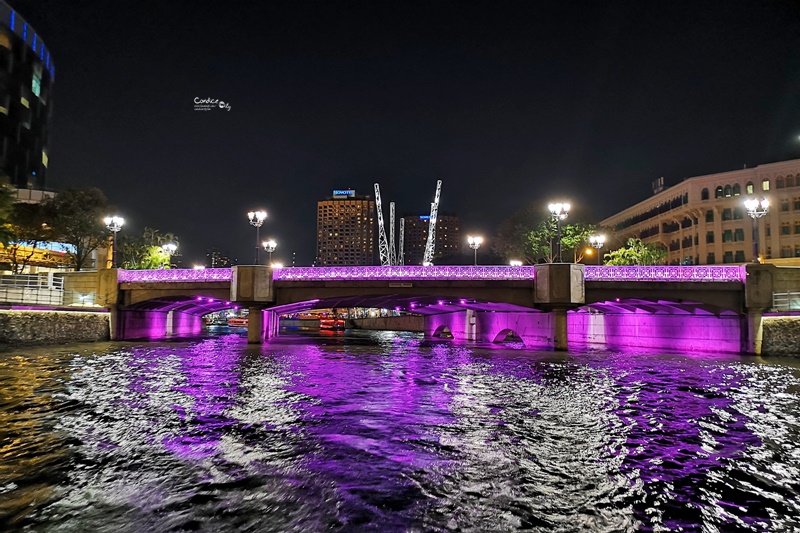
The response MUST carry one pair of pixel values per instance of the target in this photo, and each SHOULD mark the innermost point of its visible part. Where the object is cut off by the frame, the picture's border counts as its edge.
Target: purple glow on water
(387, 432)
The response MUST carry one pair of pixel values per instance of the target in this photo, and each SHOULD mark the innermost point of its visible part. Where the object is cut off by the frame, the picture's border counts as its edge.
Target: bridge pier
(755, 332)
(560, 335)
(255, 326)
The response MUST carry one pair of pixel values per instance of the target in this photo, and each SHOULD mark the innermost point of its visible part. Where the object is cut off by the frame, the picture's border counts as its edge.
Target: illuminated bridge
(666, 307)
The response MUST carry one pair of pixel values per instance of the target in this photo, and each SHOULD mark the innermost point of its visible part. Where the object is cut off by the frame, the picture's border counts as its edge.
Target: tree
(145, 252)
(511, 240)
(575, 237)
(28, 229)
(7, 198)
(638, 253)
(543, 241)
(76, 216)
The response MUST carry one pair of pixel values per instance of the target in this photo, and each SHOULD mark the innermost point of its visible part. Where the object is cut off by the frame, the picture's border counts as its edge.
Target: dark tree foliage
(76, 216)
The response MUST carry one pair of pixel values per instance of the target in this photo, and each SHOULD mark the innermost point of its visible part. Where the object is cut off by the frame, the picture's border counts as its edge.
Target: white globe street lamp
(559, 211)
(597, 242)
(515, 263)
(756, 209)
(169, 249)
(114, 223)
(270, 246)
(257, 219)
(475, 243)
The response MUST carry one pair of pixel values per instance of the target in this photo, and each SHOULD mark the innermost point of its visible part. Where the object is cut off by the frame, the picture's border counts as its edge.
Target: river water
(383, 431)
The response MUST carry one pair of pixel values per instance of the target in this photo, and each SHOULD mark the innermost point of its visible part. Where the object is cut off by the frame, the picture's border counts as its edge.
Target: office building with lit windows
(26, 90)
(448, 239)
(703, 220)
(345, 229)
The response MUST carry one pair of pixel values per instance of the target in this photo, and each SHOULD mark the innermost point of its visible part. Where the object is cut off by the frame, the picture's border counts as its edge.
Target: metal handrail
(786, 301)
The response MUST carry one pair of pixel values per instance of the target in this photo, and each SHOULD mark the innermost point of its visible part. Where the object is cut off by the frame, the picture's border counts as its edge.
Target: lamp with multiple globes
(475, 243)
(169, 249)
(597, 242)
(114, 224)
(756, 209)
(257, 219)
(269, 247)
(559, 211)
(515, 263)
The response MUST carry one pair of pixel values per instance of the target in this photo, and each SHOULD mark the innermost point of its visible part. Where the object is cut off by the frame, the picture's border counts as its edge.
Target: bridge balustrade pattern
(706, 273)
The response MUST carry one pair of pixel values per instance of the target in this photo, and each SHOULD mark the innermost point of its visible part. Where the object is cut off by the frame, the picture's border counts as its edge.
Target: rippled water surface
(387, 432)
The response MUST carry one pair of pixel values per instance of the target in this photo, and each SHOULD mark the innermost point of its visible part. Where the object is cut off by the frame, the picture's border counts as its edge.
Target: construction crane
(400, 258)
(430, 246)
(383, 245)
(392, 254)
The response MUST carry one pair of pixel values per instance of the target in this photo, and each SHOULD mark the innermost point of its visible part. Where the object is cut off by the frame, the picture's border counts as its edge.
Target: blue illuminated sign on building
(344, 192)
(424, 217)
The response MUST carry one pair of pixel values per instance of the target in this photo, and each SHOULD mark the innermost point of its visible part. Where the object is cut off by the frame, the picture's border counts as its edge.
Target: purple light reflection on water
(389, 432)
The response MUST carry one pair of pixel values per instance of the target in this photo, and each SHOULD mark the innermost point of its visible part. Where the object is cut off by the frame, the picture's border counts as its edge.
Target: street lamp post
(756, 209)
(475, 243)
(597, 242)
(169, 249)
(559, 211)
(114, 223)
(257, 219)
(270, 246)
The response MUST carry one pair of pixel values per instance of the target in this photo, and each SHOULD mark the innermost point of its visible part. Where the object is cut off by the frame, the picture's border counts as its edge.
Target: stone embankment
(781, 335)
(52, 327)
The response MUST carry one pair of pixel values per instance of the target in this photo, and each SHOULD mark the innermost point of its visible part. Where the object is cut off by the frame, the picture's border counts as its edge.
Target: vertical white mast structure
(383, 246)
(392, 254)
(430, 246)
(400, 258)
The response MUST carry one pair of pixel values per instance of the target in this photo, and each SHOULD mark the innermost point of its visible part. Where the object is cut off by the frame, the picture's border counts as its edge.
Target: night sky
(511, 104)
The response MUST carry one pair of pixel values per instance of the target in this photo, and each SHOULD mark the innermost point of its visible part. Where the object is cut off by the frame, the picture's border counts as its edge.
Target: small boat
(238, 322)
(331, 323)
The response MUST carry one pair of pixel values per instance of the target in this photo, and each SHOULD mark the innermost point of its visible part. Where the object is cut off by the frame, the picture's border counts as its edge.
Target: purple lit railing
(665, 273)
(418, 273)
(404, 273)
(173, 275)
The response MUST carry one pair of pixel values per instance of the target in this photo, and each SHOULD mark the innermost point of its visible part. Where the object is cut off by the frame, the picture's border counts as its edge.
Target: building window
(765, 185)
(786, 251)
(785, 229)
(704, 194)
(749, 187)
(779, 183)
(784, 204)
(710, 237)
(738, 214)
(710, 259)
(727, 257)
(727, 191)
(737, 189)
(739, 257)
(727, 214)
(718, 192)
(789, 181)
(767, 229)
(727, 236)
(738, 234)
(797, 250)
(710, 215)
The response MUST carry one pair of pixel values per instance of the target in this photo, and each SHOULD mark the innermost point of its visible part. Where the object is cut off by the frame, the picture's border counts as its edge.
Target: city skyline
(509, 104)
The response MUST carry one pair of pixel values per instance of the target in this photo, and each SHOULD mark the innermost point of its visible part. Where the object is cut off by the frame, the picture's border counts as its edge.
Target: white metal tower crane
(383, 245)
(430, 246)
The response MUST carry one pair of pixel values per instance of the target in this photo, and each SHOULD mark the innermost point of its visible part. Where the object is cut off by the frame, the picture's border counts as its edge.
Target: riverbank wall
(781, 335)
(19, 327)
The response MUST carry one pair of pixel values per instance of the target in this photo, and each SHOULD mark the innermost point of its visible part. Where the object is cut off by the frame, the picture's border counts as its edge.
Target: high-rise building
(703, 220)
(26, 92)
(448, 239)
(218, 259)
(345, 229)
